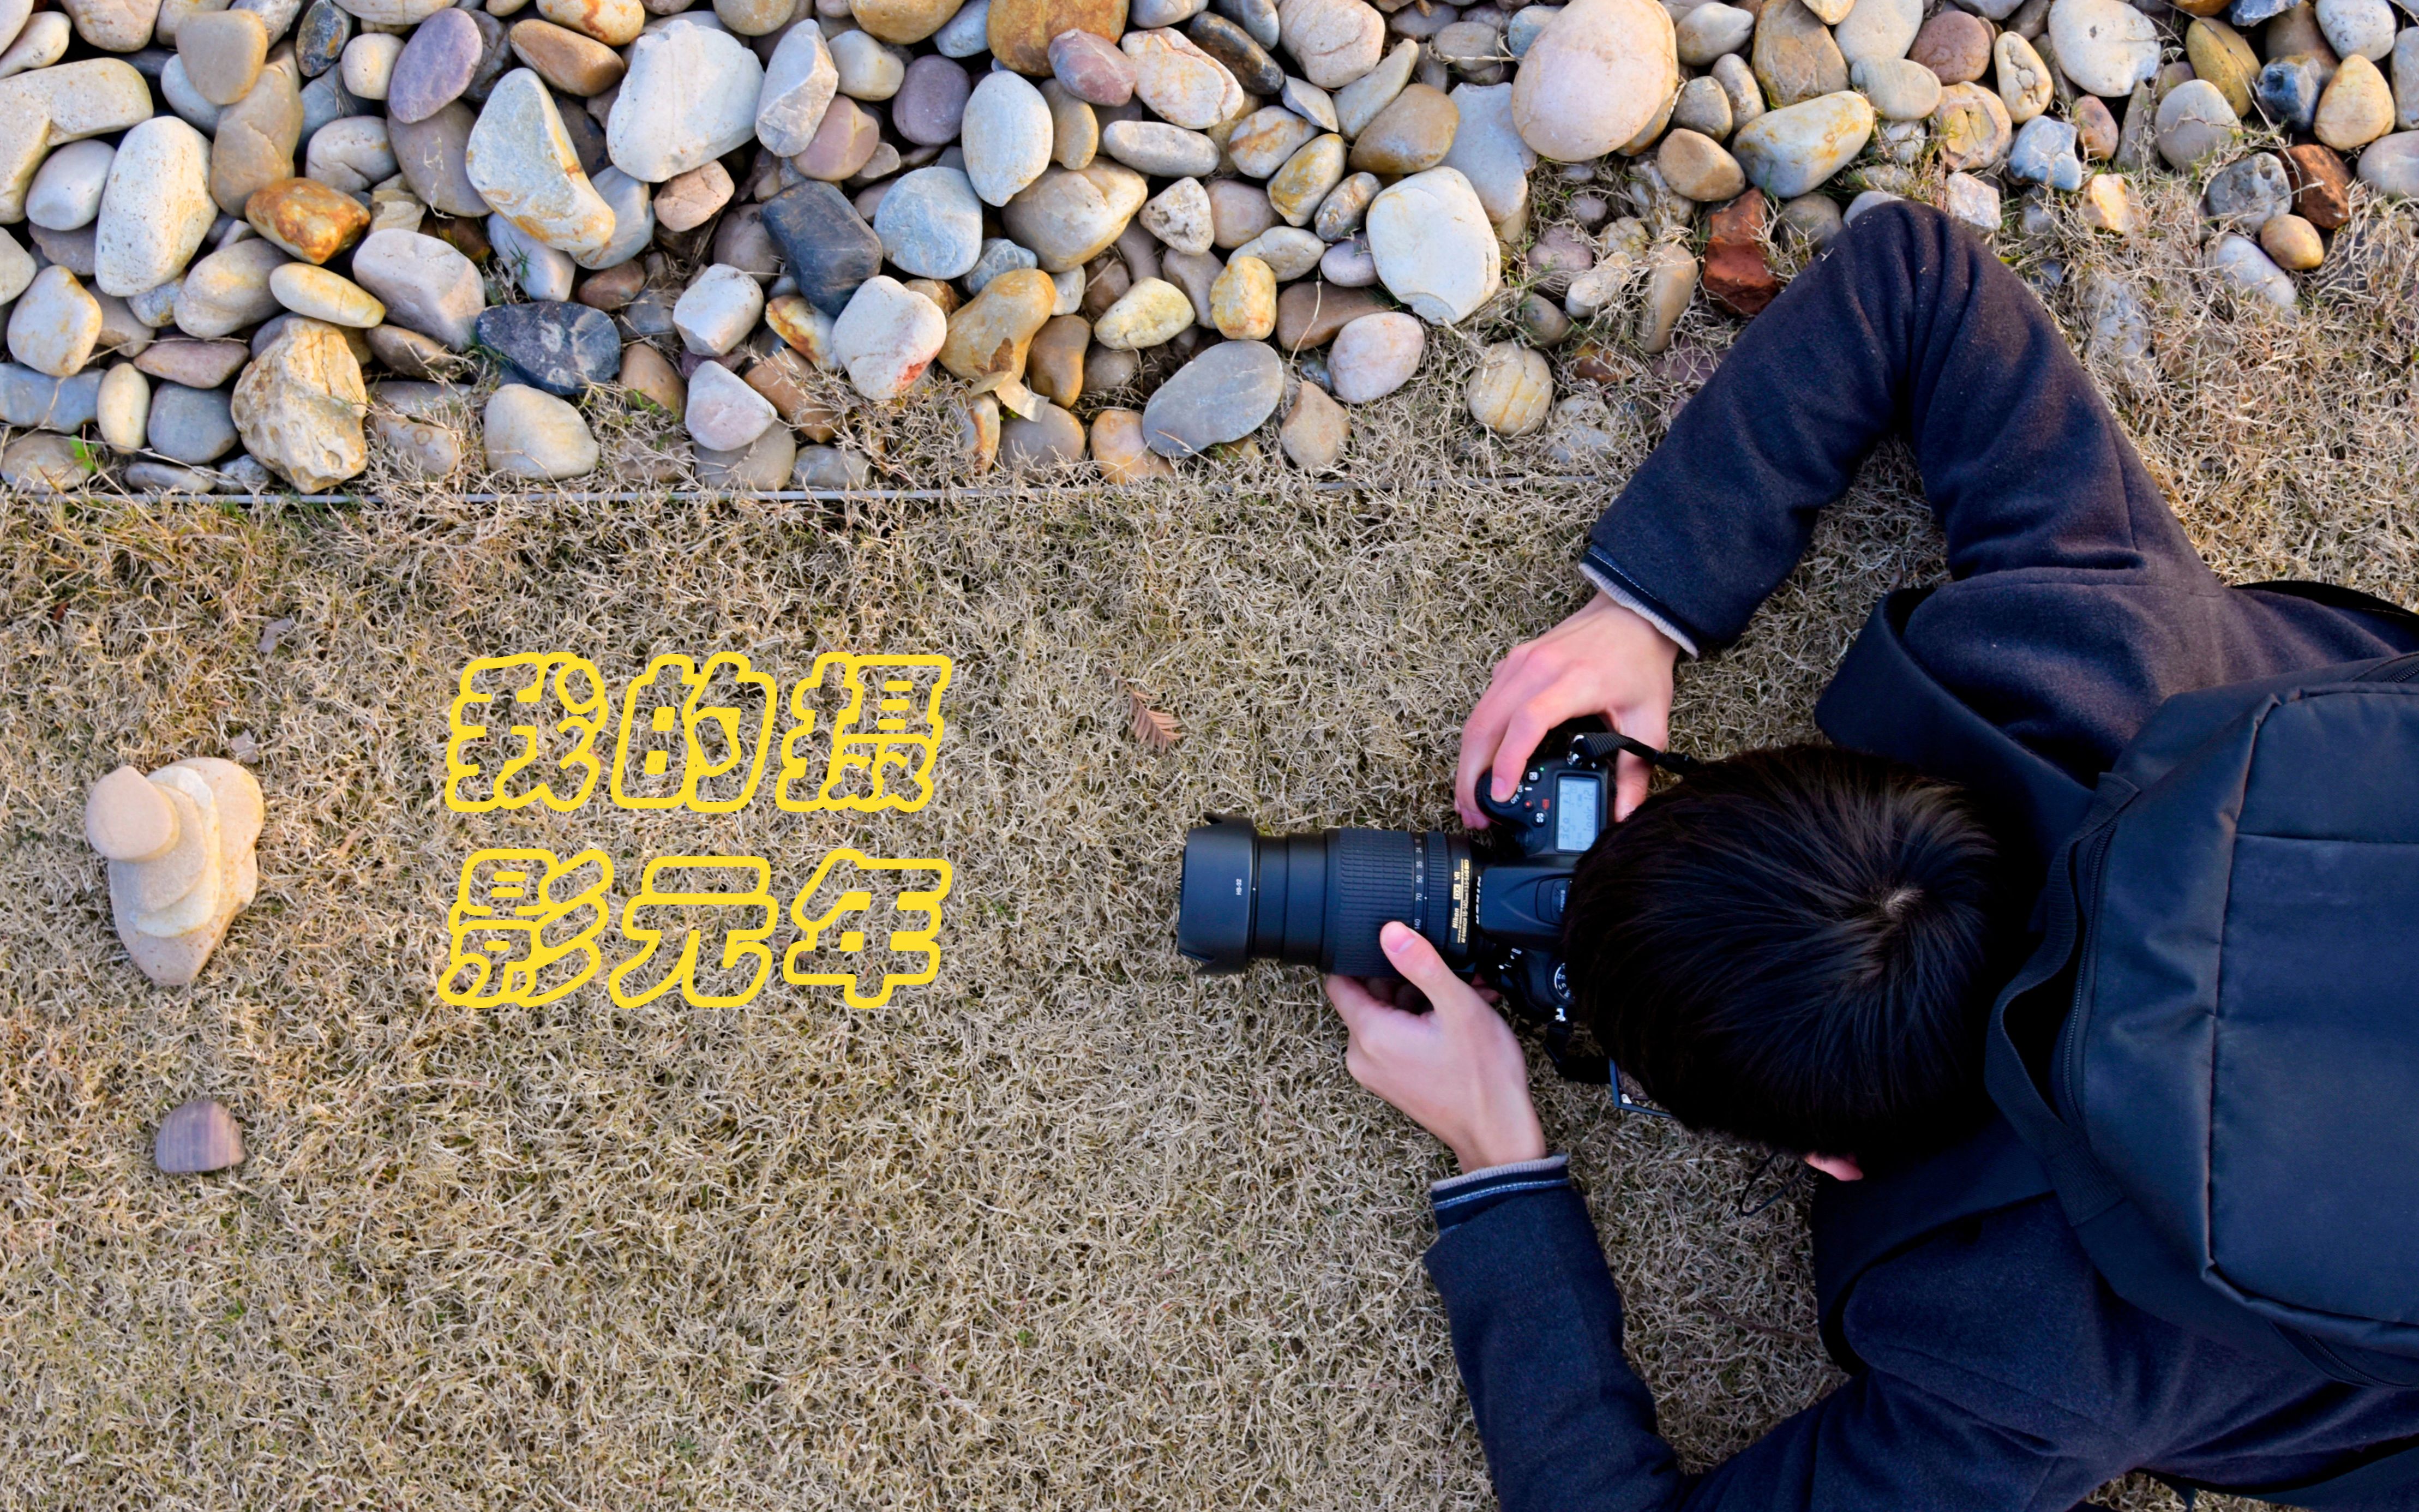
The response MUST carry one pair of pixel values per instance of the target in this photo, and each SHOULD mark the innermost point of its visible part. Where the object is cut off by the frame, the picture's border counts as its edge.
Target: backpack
(2212, 1058)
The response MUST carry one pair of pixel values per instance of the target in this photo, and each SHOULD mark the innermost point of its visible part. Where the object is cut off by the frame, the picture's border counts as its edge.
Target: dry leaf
(1155, 728)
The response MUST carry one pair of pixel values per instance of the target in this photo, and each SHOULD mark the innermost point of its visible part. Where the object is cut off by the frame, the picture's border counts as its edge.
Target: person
(1800, 947)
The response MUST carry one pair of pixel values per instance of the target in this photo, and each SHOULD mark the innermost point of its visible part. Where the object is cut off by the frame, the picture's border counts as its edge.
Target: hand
(1456, 1070)
(1606, 660)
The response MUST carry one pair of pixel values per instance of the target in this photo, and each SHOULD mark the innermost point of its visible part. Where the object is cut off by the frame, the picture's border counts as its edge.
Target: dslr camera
(1492, 907)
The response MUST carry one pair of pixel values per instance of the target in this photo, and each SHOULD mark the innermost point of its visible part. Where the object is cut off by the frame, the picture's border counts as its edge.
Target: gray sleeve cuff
(1631, 602)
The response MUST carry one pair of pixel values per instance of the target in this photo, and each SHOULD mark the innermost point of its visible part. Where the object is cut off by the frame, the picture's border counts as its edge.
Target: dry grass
(1069, 1229)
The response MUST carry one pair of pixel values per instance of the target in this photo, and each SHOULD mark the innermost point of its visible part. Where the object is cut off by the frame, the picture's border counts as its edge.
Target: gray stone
(2389, 165)
(1160, 149)
(718, 309)
(799, 83)
(931, 106)
(320, 39)
(425, 285)
(998, 256)
(690, 96)
(2194, 120)
(435, 65)
(2248, 194)
(552, 345)
(968, 33)
(40, 401)
(762, 466)
(930, 222)
(191, 425)
(828, 247)
(1221, 395)
(1488, 151)
(2251, 271)
(2044, 153)
(1009, 136)
(66, 193)
(431, 155)
(831, 468)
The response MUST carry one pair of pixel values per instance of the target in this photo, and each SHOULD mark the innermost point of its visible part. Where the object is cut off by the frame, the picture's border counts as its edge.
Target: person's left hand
(1456, 1070)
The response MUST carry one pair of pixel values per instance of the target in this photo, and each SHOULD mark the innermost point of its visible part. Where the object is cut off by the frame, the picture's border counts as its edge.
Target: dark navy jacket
(1996, 1371)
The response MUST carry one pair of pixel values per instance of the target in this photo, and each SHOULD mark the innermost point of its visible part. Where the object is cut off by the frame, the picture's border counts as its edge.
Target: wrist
(1520, 1141)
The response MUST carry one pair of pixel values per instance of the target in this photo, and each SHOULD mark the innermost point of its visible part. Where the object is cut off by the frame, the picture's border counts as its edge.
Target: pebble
(2044, 153)
(1020, 31)
(717, 310)
(1434, 249)
(2239, 260)
(833, 470)
(1704, 106)
(826, 246)
(2105, 46)
(1901, 89)
(1542, 321)
(868, 71)
(799, 82)
(2247, 194)
(1670, 280)
(1008, 137)
(687, 201)
(351, 156)
(1412, 133)
(1196, 273)
(434, 157)
(651, 375)
(1119, 446)
(1309, 315)
(1262, 141)
(316, 292)
(1346, 205)
(1795, 57)
(2356, 109)
(1093, 69)
(1697, 168)
(1708, 31)
(690, 96)
(1150, 313)
(724, 414)
(1243, 301)
(886, 336)
(1512, 390)
(844, 142)
(2195, 121)
(1302, 185)
(2108, 205)
(190, 425)
(931, 224)
(197, 365)
(2321, 185)
(1159, 149)
(2024, 80)
(37, 399)
(2220, 55)
(1787, 152)
(123, 402)
(298, 407)
(551, 345)
(1054, 364)
(521, 162)
(762, 466)
(1878, 30)
(1814, 219)
(1223, 394)
(66, 193)
(930, 105)
(2406, 79)
(2390, 164)
(990, 337)
(1335, 41)
(1238, 51)
(222, 52)
(1316, 430)
(1375, 355)
(228, 289)
(1050, 438)
(320, 36)
(903, 22)
(200, 1136)
(1178, 216)
(155, 207)
(2288, 91)
(1067, 216)
(1955, 45)
(1972, 128)
(424, 446)
(1974, 202)
(1598, 73)
(1186, 87)
(366, 68)
(1288, 251)
(532, 434)
(1357, 103)
(1259, 19)
(538, 270)
(2095, 128)
(54, 324)
(966, 34)
(2357, 28)
(2292, 244)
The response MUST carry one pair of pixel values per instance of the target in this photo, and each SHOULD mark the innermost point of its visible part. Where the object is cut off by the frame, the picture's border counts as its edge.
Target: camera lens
(1319, 900)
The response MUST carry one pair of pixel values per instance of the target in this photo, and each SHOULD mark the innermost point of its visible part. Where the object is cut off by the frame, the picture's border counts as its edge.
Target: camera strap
(1603, 743)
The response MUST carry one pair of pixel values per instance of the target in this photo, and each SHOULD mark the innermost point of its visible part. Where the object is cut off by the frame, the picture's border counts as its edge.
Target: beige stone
(1513, 390)
(1316, 431)
(1117, 446)
(298, 406)
(223, 50)
(532, 434)
(2292, 244)
(614, 22)
(523, 163)
(316, 292)
(182, 865)
(1148, 314)
(123, 407)
(1243, 301)
(54, 324)
(988, 338)
(49, 107)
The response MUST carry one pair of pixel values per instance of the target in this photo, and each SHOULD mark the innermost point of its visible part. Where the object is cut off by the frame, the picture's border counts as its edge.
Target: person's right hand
(1605, 660)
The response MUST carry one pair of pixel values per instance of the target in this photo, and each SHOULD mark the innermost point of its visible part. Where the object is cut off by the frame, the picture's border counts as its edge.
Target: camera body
(1492, 908)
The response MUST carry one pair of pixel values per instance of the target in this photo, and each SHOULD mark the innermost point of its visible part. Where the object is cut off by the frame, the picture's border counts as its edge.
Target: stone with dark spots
(827, 245)
(2321, 185)
(553, 345)
(320, 36)
(1244, 57)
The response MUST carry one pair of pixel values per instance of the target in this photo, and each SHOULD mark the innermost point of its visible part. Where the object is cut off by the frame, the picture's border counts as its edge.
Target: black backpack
(2212, 1058)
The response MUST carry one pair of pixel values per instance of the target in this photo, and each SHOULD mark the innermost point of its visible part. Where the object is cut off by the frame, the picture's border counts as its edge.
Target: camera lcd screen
(1579, 811)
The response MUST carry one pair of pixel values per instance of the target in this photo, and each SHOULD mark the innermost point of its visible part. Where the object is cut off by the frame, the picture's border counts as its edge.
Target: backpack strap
(2334, 596)
(1883, 703)
(1858, 1225)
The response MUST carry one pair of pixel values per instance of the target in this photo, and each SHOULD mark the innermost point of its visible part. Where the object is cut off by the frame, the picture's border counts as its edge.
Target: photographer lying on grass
(1802, 946)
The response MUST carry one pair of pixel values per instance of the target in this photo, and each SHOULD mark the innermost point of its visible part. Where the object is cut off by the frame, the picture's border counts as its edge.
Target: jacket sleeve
(1906, 325)
(1568, 1426)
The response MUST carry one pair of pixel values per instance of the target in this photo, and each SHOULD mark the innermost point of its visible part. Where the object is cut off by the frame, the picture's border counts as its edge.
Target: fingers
(1409, 953)
(1650, 723)
(1354, 1003)
(1520, 737)
(1480, 736)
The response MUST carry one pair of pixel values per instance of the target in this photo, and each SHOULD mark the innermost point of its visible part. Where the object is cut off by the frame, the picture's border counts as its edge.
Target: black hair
(1795, 945)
